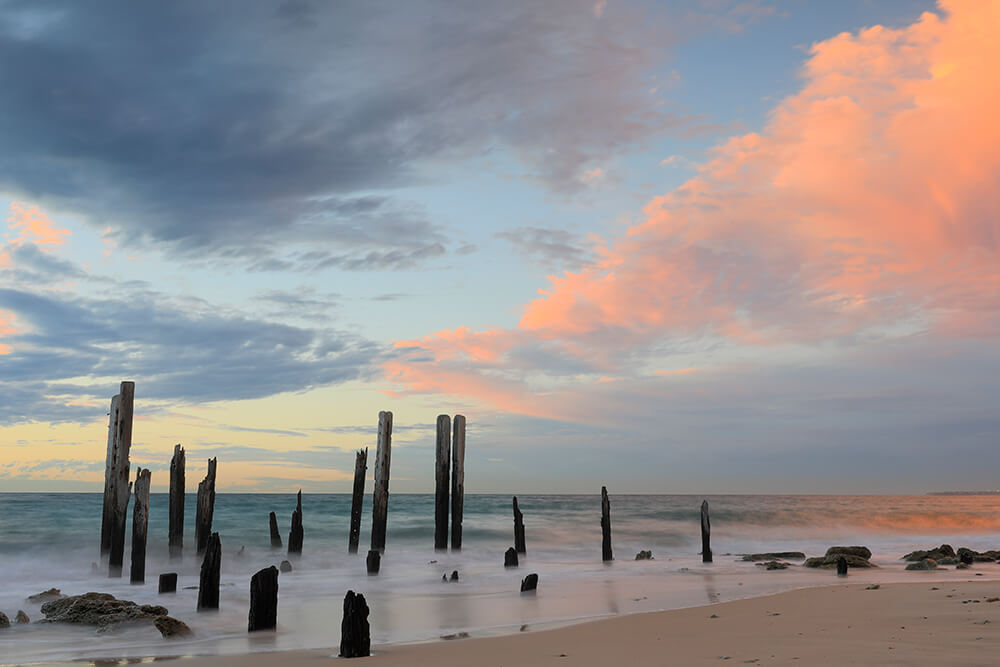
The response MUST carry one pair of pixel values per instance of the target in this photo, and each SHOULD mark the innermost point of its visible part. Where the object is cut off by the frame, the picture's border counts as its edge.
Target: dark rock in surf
(100, 609)
(925, 564)
(830, 562)
(21, 617)
(644, 555)
(4, 621)
(775, 555)
(970, 556)
(860, 552)
(529, 583)
(46, 596)
(937, 554)
(285, 566)
(773, 565)
(454, 575)
(170, 627)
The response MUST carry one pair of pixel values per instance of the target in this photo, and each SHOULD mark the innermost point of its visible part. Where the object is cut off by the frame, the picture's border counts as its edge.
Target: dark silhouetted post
(457, 481)
(518, 529)
(355, 633)
(295, 534)
(380, 500)
(140, 524)
(205, 508)
(510, 557)
(529, 583)
(374, 561)
(122, 483)
(841, 567)
(442, 463)
(706, 534)
(264, 600)
(176, 530)
(275, 535)
(109, 475)
(605, 525)
(168, 582)
(211, 569)
(357, 500)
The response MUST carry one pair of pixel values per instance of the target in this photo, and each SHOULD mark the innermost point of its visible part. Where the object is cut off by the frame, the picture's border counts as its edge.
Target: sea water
(53, 540)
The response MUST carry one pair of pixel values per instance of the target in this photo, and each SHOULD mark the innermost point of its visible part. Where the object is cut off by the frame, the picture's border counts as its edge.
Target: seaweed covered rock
(860, 552)
(644, 555)
(775, 555)
(773, 565)
(100, 609)
(46, 596)
(970, 556)
(4, 621)
(923, 564)
(170, 627)
(829, 562)
(938, 554)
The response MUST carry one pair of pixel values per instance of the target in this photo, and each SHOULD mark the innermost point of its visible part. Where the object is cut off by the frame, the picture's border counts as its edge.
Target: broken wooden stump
(457, 480)
(510, 557)
(355, 633)
(275, 535)
(518, 529)
(380, 500)
(529, 583)
(140, 525)
(295, 534)
(841, 567)
(264, 600)
(285, 566)
(205, 508)
(374, 561)
(168, 583)
(176, 527)
(442, 462)
(109, 475)
(706, 534)
(357, 500)
(211, 570)
(605, 525)
(121, 484)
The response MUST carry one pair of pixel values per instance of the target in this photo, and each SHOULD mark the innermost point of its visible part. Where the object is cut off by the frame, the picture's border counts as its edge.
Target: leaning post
(122, 483)
(357, 500)
(109, 475)
(295, 534)
(518, 529)
(205, 508)
(380, 500)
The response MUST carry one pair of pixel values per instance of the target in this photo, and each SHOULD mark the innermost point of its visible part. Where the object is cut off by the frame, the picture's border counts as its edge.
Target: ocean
(53, 540)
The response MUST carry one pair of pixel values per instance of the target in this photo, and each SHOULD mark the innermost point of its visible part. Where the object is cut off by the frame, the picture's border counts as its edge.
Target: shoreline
(919, 622)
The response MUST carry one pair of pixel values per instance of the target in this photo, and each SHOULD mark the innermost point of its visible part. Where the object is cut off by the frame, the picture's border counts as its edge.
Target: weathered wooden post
(380, 500)
(275, 535)
(841, 567)
(122, 484)
(518, 529)
(357, 500)
(605, 525)
(176, 529)
(205, 508)
(295, 534)
(264, 600)
(457, 481)
(510, 557)
(168, 582)
(374, 561)
(109, 475)
(355, 633)
(211, 566)
(706, 534)
(140, 524)
(442, 463)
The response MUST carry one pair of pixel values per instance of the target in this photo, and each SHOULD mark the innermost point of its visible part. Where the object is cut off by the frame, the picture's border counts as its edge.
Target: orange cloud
(868, 201)
(33, 225)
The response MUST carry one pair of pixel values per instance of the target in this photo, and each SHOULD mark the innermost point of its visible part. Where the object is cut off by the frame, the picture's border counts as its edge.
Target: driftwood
(295, 534)
(140, 525)
(605, 525)
(264, 600)
(205, 508)
(374, 561)
(355, 633)
(176, 529)
(211, 569)
(529, 583)
(442, 462)
(275, 535)
(706, 534)
(168, 582)
(518, 529)
(457, 480)
(121, 485)
(380, 499)
(357, 500)
(510, 557)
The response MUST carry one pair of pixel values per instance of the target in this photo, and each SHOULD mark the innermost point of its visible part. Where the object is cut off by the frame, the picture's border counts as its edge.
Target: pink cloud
(33, 225)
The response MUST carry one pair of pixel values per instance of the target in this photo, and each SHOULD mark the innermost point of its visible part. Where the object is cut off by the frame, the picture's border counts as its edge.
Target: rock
(285, 566)
(947, 560)
(4, 621)
(970, 556)
(830, 562)
(46, 596)
(860, 552)
(21, 617)
(774, 555)
(100, 609)
(773, 565)
(170, 627)
(937, 554)
(454, 575)
(925, 564)
(962, 566)
(529, 583)
(644, 555)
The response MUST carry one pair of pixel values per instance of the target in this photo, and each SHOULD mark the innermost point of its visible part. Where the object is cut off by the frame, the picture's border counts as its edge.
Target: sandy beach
(919, 623)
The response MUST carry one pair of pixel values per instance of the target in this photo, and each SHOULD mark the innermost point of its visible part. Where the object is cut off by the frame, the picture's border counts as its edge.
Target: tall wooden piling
(122, 485)
(518, 529)
(205, 508)
(264, 600)
(275, 535)
(109, 475)
(140, 523)
(457, 480)
(176, 529)
(357, 500)
(706, 534)
(380, 500)
(211, 569)
(355, 632)
(441, 465)
(295, 534)
(605, 525)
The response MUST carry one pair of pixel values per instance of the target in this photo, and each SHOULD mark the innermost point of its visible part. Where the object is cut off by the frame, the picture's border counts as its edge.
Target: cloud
(33, 225)
(549, 247)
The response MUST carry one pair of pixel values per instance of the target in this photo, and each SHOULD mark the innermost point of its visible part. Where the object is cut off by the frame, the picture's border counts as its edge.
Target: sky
(704, 246)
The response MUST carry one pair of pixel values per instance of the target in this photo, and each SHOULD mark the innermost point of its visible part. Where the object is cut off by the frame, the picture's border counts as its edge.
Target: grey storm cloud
(239, 128)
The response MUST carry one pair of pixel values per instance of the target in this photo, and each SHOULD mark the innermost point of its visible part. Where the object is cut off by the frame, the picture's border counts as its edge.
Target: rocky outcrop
(775, 555)
(170, 627)
(937, 554)
(945, 555)
(773, 565)
(4, 621)
(285, 566)
(100, 609)
(923, 564)
(644, 555)
(860, 552)
(970, 556)
(21, 617)
(829, 562)
(46, 596)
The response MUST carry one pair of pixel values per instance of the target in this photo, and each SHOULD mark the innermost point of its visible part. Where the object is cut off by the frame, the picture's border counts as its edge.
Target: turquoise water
(52, 540)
